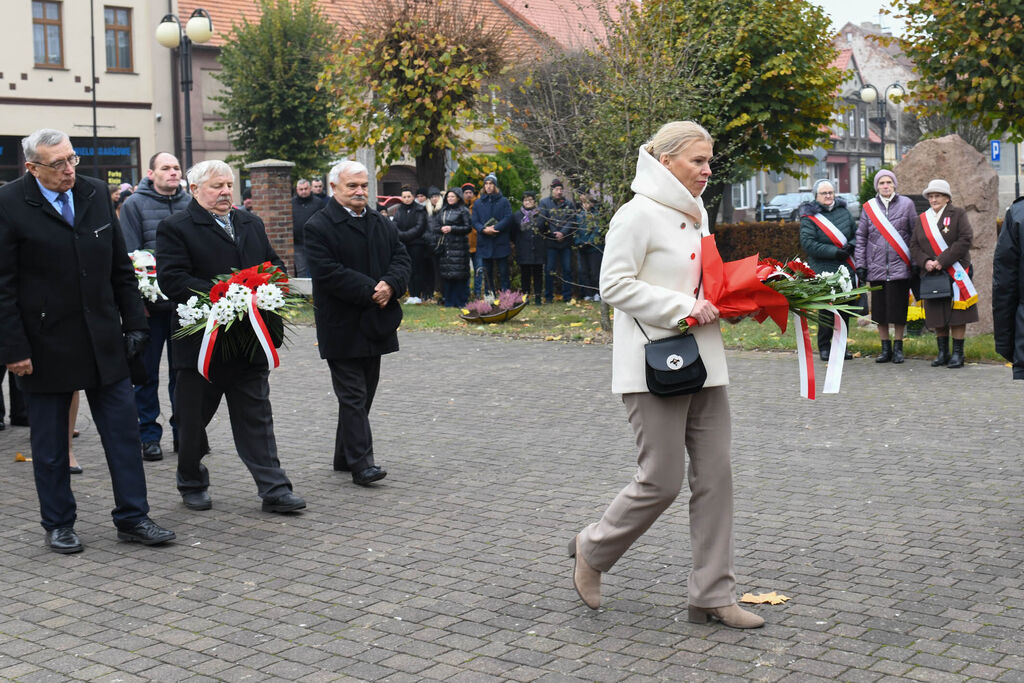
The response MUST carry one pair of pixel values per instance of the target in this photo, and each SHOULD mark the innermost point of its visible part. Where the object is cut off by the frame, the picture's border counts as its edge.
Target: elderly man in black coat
(72, 319)
(359, 269)
(193, 247)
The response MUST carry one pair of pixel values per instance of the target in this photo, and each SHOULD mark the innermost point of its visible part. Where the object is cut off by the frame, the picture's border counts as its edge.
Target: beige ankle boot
(585, 578)
(732, 616)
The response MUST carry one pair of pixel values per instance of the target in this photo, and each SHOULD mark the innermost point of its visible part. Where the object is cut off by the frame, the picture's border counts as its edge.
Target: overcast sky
(857, 11)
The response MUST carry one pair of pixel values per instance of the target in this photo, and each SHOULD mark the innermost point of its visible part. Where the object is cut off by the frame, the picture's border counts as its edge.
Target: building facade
(105, 101)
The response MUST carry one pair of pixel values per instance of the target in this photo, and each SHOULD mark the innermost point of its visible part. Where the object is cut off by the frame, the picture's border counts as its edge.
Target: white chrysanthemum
(223, 310)
(269, 297)
(142, 259)
(190, 313)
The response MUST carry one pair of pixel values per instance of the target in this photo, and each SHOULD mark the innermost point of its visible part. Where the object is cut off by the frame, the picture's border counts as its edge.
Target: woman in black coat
(452, 226)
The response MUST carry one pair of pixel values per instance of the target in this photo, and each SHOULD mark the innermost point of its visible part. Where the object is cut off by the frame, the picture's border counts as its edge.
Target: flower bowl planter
(494, 317)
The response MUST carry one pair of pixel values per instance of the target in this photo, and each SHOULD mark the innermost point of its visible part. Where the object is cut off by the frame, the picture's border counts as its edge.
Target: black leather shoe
(146, 532)
(151, 451)
(824, 354)
(287, 502)
(2, 426)
(197, 500)
(75, 469)
(64, 541)
(369, 475)
(847, 356)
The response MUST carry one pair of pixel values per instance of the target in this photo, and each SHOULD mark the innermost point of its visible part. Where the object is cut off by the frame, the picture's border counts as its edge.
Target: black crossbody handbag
(673, 365)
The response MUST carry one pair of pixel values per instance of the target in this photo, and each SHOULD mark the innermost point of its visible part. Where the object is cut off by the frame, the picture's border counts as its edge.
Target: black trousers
(252, 425)
(113, 413)
(19, 412)
(532, 276)
(355, 383)
(421, 284)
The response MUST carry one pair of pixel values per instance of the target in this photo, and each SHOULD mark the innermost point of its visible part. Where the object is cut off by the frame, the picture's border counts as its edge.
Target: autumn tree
(967, 54)
(755, 73)
(271, 106)
(414, 78)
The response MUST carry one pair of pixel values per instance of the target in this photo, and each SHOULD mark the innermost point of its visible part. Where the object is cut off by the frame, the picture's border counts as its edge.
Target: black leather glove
(135, 343)
(862, 275)
(849, 247)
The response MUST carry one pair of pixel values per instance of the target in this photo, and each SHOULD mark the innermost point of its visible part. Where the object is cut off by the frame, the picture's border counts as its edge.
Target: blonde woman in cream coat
(651, 275)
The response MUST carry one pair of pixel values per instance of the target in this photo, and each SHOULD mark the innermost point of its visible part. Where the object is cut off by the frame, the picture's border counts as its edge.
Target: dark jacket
(486, 208)
(559, 216)
(67, 294)
(142, 212)
(958, 236)
(411, 221)
(348, 256)
(1008, 289)
(526, 234)
(191, 251)
(873, 251)
(822, 255)
(303, 209)
(588, 228)
(454, 257)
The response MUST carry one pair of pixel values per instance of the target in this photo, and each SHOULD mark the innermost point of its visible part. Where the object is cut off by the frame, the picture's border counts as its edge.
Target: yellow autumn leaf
(575, 324)
(551, 338)
(772, 598)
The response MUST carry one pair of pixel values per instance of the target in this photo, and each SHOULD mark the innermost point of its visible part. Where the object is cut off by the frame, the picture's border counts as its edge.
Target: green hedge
(777, 240)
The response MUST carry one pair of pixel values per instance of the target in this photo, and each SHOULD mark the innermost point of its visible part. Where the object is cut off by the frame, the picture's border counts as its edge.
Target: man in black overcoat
(72, 319)
(193, 247)
(359, 269)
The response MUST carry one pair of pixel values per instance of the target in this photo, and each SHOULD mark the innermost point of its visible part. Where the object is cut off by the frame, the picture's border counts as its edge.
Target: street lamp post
(170, 34)
(869, 94)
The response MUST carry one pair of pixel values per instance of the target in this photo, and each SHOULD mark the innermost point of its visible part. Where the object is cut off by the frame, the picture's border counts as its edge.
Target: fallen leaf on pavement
(772, 598)
(18, 457)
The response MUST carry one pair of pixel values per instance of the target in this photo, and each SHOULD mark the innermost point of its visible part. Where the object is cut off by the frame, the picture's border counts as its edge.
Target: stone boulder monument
(975, 187)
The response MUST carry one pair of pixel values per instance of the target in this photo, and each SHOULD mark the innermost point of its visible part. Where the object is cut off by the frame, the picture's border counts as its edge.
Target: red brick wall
(272, 201)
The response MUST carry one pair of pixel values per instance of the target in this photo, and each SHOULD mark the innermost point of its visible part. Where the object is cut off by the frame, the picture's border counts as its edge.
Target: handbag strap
(642, 331)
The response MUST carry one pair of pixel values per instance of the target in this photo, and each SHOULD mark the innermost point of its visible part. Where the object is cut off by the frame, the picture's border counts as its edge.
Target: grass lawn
(580, 321)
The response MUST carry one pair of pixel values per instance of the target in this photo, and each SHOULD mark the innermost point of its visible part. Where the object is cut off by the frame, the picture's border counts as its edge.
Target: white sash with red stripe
(876, 214)
(835, 235)
(964, 293)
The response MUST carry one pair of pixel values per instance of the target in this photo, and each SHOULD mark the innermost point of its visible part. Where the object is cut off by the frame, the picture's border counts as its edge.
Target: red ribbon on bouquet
(735, 288)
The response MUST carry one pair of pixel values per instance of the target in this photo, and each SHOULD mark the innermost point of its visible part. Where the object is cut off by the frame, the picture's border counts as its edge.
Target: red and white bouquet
(768, 288)
(144, 263)
(258, 294)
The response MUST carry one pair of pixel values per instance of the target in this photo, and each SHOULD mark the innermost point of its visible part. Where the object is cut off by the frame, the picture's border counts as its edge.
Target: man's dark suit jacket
(192, 250)
(67, 294)
(347, 257)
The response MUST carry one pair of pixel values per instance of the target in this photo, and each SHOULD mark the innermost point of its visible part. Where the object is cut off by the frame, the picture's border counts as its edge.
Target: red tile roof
(525, 19)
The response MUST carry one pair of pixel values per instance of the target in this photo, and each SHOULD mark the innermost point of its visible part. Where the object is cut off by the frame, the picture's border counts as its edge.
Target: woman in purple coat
(882, 257)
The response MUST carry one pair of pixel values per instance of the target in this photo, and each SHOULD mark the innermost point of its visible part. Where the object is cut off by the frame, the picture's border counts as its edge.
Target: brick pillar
(272, 201)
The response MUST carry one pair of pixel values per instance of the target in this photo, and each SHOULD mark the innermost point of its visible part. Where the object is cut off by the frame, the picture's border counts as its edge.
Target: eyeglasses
(60, 164)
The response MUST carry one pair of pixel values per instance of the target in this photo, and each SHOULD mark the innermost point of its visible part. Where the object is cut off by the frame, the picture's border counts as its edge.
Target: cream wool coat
(651, 273)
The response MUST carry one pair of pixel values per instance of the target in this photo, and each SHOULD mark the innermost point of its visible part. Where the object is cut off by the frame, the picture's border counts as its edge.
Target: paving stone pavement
(891, 514)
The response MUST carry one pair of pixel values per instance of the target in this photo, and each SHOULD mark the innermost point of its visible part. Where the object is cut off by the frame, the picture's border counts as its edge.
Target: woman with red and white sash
(882, 257)
(942, 242)
(827, 235)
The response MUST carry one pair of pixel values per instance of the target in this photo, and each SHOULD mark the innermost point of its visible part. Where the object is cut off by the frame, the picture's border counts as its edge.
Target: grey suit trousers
(667, 428)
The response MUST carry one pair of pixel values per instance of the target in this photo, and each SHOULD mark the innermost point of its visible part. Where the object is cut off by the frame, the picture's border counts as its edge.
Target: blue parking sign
(994, 145)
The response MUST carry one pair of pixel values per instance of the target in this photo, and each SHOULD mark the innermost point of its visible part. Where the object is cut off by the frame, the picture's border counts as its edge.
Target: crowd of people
(363, 262)
(465, 244)
(892, 247)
